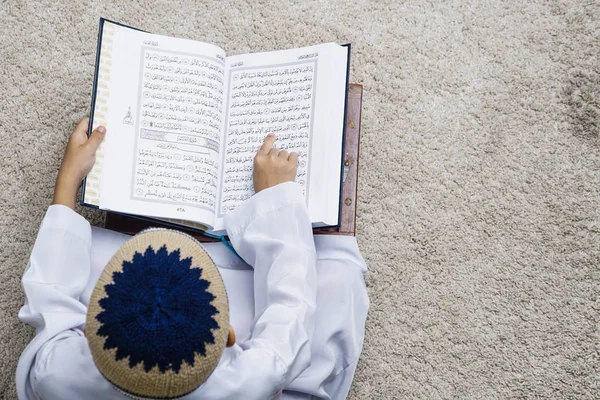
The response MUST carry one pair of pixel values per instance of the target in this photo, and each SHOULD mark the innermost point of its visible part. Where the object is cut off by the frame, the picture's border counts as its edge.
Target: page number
(180, 209)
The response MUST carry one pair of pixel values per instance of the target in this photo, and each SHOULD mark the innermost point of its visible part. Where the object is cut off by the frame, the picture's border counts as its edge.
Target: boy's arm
(273, 233)
(57, 273)
(59, 265)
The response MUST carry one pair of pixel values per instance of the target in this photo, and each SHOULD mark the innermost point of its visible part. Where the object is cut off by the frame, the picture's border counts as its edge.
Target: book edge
(341, 180)
(94, 93)
(93, 105)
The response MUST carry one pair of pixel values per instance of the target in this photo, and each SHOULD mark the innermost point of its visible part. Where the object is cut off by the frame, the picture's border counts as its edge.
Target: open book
(184, 122)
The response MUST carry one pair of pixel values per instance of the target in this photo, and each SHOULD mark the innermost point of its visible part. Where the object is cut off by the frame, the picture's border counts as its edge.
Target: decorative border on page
(92, 187)
(235, 70)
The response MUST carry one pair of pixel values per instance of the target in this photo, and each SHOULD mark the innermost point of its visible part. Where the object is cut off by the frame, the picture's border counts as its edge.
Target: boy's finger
(96, 138)
(79, 134)
(294, 158)
(268, 144)
(274, 152)
(82, 126)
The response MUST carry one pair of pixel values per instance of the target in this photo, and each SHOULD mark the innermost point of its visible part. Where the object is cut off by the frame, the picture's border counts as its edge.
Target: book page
(299, 95)
(164, 127)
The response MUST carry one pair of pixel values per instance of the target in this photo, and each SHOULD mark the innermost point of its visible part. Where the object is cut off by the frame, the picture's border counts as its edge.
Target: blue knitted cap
(158, 318)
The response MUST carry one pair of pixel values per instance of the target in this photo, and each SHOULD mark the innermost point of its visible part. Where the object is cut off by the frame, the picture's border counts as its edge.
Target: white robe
(298, 308)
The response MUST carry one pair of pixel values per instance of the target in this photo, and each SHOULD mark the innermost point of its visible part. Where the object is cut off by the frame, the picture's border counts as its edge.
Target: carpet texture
(479, 212)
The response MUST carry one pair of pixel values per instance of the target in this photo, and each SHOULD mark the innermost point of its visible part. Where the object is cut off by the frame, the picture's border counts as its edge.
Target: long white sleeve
(57, 273)
(273, 234)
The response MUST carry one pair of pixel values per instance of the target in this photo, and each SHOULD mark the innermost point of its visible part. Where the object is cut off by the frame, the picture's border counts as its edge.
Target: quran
(184, 121)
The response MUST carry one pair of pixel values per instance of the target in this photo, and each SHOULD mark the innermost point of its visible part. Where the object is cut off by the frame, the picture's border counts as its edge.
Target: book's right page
(299, 95)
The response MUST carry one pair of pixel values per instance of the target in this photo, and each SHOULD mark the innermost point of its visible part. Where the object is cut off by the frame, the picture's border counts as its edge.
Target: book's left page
(160, 99)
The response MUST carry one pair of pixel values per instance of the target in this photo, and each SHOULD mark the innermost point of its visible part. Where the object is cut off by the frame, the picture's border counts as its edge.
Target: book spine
(92, 189)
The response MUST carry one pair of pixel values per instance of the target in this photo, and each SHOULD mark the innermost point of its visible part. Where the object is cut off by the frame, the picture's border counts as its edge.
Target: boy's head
(158, 319)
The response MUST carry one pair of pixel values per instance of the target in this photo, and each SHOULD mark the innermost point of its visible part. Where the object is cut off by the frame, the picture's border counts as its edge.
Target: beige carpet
(479, 210)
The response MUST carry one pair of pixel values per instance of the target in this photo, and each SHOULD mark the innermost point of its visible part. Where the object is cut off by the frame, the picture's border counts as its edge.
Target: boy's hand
(78, 161)
(272, 167)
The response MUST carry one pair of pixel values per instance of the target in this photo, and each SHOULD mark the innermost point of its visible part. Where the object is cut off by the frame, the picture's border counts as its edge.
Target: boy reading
(152, 316)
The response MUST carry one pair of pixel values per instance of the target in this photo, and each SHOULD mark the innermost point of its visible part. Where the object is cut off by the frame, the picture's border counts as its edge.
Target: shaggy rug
(479, 207)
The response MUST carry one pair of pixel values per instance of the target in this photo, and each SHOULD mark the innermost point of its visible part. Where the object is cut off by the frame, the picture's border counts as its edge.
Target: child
(299, 315)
